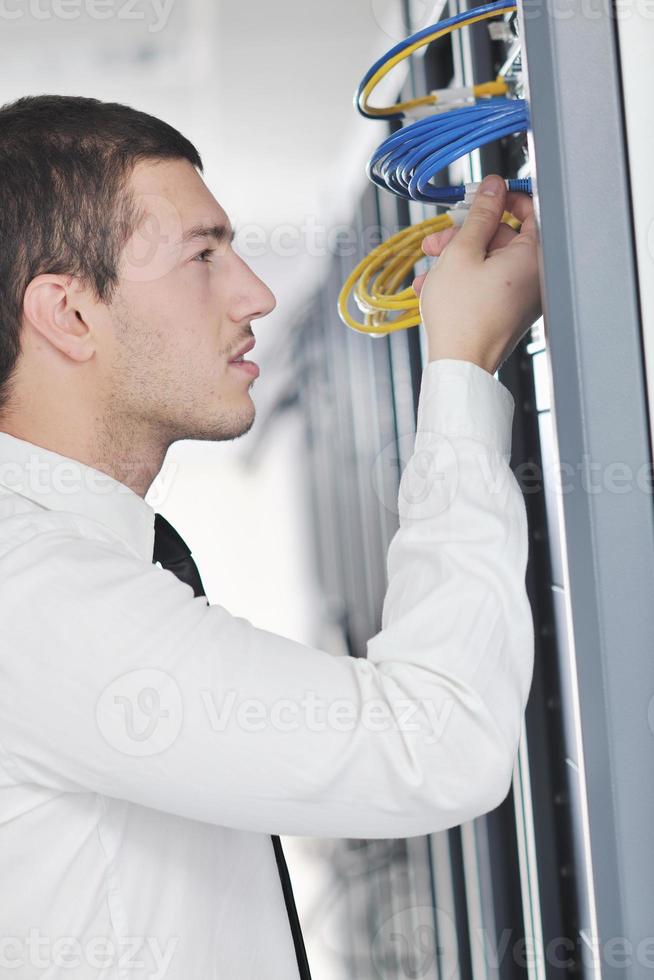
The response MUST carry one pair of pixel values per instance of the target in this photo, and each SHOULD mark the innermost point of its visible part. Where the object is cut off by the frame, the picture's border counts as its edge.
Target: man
(151, 743)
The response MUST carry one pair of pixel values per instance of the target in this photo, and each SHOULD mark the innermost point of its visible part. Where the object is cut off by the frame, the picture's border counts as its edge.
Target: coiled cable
(376, 284)
(407, 161)
(406, 164)
(413, 43)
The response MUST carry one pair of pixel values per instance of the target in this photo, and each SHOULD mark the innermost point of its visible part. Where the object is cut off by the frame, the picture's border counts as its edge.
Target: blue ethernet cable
(407, 161)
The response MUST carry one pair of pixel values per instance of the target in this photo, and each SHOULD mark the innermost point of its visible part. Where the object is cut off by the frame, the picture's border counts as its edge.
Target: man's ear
(53, 309)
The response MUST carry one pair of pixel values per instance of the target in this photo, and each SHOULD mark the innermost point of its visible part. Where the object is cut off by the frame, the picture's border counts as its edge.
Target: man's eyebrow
(220, 233)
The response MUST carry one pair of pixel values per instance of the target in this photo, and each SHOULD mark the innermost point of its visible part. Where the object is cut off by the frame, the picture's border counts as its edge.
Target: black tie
(172, 552)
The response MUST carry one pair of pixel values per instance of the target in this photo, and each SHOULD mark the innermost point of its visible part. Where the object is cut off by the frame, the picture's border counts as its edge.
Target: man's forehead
(174, 195)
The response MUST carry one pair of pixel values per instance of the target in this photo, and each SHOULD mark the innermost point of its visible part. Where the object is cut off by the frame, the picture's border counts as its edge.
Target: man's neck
(129, 461)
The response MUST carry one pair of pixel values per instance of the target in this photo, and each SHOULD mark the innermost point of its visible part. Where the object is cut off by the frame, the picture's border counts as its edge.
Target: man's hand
(484, 292)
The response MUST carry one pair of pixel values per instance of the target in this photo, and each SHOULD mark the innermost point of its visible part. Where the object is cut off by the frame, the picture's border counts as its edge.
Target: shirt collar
(59, 483)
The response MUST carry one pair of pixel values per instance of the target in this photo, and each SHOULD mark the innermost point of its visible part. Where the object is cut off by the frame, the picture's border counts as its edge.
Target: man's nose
(268, 300)
(253, 297)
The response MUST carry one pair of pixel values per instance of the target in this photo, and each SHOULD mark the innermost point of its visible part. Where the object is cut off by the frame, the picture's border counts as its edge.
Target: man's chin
(246, 424)
(219, 430)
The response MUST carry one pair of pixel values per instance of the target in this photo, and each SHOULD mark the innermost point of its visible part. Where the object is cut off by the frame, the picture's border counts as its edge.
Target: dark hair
(65, 205)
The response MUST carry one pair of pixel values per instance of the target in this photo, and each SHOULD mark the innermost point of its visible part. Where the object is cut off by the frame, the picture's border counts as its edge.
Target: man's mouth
(245, 349)
(246, 367)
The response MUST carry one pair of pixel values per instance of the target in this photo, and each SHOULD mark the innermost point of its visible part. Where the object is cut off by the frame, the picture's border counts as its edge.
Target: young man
(150, 743)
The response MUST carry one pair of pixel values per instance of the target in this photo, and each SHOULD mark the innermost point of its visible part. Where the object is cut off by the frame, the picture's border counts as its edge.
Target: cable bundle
(376, 282)
(411, 44)
(407, 161)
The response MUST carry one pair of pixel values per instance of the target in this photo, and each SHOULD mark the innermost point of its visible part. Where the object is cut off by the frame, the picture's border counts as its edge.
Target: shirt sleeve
(117, 680)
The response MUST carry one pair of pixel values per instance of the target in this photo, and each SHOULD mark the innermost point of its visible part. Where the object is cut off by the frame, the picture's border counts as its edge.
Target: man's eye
(203, 256)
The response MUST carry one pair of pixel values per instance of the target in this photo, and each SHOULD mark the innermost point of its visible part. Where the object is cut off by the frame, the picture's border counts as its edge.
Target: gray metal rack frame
(594, 344)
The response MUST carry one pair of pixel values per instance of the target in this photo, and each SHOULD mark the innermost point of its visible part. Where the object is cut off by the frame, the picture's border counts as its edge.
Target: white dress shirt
(150, 743)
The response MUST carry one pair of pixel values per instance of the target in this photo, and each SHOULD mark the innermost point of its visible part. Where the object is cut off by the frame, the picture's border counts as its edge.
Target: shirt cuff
(461, 399)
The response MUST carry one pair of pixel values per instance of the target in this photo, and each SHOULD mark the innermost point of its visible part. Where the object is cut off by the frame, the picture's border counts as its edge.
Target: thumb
(418, 283)
(484, 216)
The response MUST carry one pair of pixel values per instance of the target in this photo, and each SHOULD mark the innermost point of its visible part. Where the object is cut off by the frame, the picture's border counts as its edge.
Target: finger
(483, 218)
(435, 243)
(517, 203)
(418, 283)
(521, 208)
(521, 205)
(502, 237)
(528, 234)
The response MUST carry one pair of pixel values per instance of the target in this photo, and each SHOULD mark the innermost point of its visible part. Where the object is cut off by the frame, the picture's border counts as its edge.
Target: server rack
(543, 886)
(597, 379)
